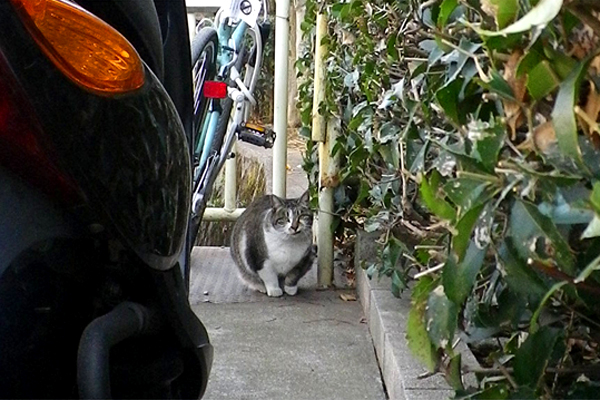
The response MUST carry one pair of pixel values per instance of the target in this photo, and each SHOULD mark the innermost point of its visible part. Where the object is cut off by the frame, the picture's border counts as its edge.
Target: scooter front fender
(128, 154)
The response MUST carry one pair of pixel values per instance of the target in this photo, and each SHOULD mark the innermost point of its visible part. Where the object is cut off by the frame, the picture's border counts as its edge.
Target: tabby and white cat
(272, 239)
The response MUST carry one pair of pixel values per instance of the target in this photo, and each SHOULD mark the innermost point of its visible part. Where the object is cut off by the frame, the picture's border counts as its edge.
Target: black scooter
(95, 172)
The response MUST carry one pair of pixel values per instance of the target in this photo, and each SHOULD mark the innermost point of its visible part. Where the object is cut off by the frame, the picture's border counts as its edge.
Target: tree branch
(559, 275)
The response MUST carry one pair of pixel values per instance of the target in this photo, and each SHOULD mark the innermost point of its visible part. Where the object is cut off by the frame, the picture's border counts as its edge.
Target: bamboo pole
(318, 120)
(325, 133)
(328, 180)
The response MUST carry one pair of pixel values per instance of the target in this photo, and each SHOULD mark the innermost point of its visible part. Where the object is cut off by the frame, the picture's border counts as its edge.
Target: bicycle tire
(206, 43)
(227, 106)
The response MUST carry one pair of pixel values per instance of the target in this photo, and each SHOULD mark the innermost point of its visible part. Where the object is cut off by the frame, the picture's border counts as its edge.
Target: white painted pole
(231, 181)
(191, 18)
(220, 214)
(280, 96)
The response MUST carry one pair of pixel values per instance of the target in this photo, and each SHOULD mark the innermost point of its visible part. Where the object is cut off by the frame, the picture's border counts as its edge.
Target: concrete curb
(387, 318)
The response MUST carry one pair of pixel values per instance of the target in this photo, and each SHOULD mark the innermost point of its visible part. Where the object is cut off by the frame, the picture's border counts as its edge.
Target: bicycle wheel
(205, 47)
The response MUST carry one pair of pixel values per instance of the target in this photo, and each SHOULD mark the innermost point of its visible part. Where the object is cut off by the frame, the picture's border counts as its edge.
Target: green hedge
(470, 141)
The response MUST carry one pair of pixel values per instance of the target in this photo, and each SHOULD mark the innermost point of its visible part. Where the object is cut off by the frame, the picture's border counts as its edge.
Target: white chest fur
(285, 251)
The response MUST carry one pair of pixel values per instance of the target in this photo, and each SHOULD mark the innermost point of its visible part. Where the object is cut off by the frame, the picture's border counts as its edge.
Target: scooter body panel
(119, 240)
(128, 154)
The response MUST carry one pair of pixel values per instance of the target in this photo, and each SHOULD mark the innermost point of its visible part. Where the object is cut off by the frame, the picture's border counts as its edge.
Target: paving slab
(310, 346)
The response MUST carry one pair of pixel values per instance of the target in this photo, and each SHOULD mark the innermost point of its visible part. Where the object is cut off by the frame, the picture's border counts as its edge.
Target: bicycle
(223, 50)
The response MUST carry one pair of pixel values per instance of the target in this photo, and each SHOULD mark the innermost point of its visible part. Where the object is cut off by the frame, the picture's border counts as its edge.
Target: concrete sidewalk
(310, 346)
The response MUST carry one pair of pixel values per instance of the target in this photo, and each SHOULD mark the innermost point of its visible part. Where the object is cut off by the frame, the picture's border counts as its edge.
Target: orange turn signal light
(83, 47)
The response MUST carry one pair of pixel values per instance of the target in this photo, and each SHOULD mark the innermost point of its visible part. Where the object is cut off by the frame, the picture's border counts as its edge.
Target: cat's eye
(281, 221)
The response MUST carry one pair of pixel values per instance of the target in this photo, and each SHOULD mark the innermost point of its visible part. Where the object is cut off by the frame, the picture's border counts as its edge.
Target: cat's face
(292, 216)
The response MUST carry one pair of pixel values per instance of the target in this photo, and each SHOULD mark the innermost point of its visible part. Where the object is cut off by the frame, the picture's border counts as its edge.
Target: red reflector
(214, 90)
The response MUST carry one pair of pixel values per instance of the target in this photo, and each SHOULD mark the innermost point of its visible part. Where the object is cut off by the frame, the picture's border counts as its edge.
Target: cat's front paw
(291, 290)
(274, 292)
(258, 287)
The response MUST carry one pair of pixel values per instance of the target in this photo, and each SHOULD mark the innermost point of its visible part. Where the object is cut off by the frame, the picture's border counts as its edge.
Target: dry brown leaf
(514, 114)
(583, 42)
(595, 65)
(348, 296)
(544, 136)
(591, 110)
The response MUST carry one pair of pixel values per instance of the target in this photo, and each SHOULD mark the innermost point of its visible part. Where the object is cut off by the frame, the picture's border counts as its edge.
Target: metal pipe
(231, 180)
(280, 100)
(220, 214)
(191, 20)
(93, 364)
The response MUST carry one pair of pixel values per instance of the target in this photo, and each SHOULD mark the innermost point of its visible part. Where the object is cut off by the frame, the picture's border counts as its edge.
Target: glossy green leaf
(458, 277)
(416, 331)
(467, 192)
(563, 114)
(519, 276)
(398, 284)
(588, 270)
(497, 84)
(448, 97)
(430, 194)
(503, 11)
(528, 225)
(498, 391)
(531, 59)
(336, 9)
(538, 17)
(563, 213)
(541, 80)
(536, 315)
(390, 256)
(561, 63)
(460, 61)
(593, 228)
(441, 315)
(392, 51)
(464, 229)
(446, 9)
(595, 197)
(454, 375)
(533, 356)
(487, 143)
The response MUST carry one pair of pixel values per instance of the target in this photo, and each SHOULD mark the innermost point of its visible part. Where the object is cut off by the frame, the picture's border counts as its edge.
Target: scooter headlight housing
(83, 47)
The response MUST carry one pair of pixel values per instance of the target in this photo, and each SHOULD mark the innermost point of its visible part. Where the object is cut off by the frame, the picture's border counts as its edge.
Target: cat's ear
(305, 198)
(276, 202)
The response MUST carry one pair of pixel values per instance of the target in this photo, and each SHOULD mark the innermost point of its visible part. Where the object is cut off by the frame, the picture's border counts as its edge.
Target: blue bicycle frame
(225, 58)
